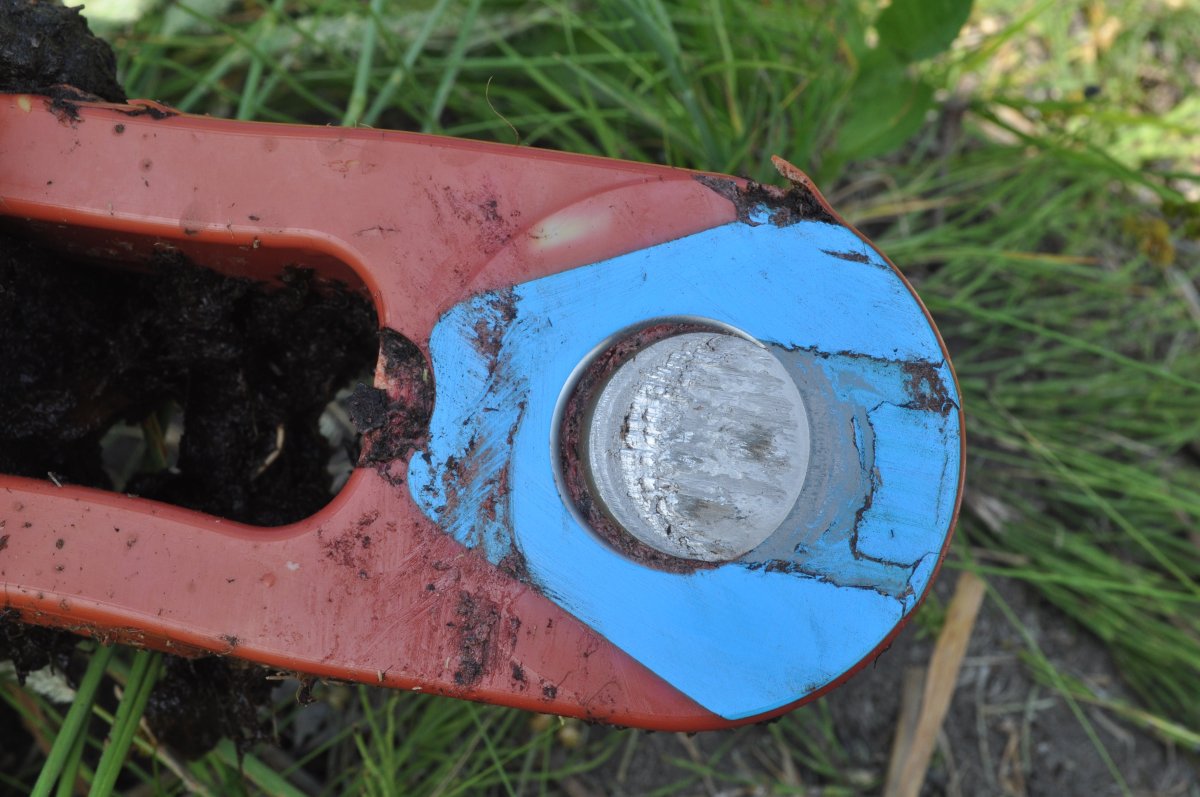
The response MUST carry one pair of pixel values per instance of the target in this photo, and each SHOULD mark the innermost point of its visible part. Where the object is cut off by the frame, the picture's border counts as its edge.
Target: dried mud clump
(200, 701)
(782, 208)
(45, 46)
(475, 623)
(30, 648)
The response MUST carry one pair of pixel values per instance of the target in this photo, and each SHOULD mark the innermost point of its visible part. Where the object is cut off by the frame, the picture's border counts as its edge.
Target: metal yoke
(465, 562)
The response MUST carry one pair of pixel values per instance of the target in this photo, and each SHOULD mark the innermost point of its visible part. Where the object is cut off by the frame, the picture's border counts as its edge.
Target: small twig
(1012, 773)
(911, 690)
(953, 779)
(1124, 737)
(693, 751)
(487, 98)
(627, 757)
(908, 777)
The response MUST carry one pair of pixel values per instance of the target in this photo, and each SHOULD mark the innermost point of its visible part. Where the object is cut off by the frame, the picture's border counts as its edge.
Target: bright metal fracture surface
(698, 445)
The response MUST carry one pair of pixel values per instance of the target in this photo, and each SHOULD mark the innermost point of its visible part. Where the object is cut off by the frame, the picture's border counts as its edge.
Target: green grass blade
(256, 771)
(395, 79)
(74, 723)
(70, 772)
(248, 104)
(454, 65)
(142, 676)
(362, 72)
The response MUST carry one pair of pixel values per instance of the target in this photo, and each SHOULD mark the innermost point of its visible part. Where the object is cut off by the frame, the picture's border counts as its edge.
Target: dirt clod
(367, 408)
(31, 648)
(199, 701)
(45, 47)
(799, 203)
(407, 399)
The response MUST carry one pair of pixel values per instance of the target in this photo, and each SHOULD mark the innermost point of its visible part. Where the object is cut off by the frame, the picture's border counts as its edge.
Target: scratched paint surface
(860, 545)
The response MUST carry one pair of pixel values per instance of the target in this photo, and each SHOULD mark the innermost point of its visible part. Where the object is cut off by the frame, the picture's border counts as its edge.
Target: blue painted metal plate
(865, 536)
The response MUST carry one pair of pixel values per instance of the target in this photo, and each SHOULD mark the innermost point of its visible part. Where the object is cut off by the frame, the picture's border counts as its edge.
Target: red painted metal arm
(369, 589)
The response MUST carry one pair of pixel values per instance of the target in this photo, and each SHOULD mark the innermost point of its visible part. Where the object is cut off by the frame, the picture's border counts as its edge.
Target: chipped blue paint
(863, 540)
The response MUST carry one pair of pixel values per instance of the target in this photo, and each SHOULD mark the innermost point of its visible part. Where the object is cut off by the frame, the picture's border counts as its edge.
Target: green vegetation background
(1031, 165)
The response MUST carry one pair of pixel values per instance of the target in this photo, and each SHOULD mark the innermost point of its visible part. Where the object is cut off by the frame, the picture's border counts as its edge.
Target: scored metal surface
(698, 445)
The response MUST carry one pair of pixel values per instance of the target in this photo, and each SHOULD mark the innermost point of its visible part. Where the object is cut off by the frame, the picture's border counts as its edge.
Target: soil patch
(200, 701)
(85, 346)
(46, 47)
(30, 648)
(781, 208)
(252, 367)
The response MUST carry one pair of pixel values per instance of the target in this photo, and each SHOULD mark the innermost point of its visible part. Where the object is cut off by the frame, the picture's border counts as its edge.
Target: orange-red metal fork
(372, 588)
(369, 589)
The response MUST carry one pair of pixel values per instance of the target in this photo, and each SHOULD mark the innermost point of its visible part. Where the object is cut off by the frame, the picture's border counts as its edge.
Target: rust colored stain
(492, 503)
(927, 388)
(490, 328)
(514, 566)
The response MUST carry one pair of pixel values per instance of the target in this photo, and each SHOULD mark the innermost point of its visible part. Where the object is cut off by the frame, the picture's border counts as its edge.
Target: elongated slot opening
(203, 376)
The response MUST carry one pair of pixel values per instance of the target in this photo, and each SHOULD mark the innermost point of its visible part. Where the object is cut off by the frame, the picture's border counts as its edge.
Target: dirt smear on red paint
(476, 622)
(782, 207)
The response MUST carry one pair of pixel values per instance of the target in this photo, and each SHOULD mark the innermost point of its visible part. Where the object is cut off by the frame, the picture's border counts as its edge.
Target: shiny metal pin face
(698, 445)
